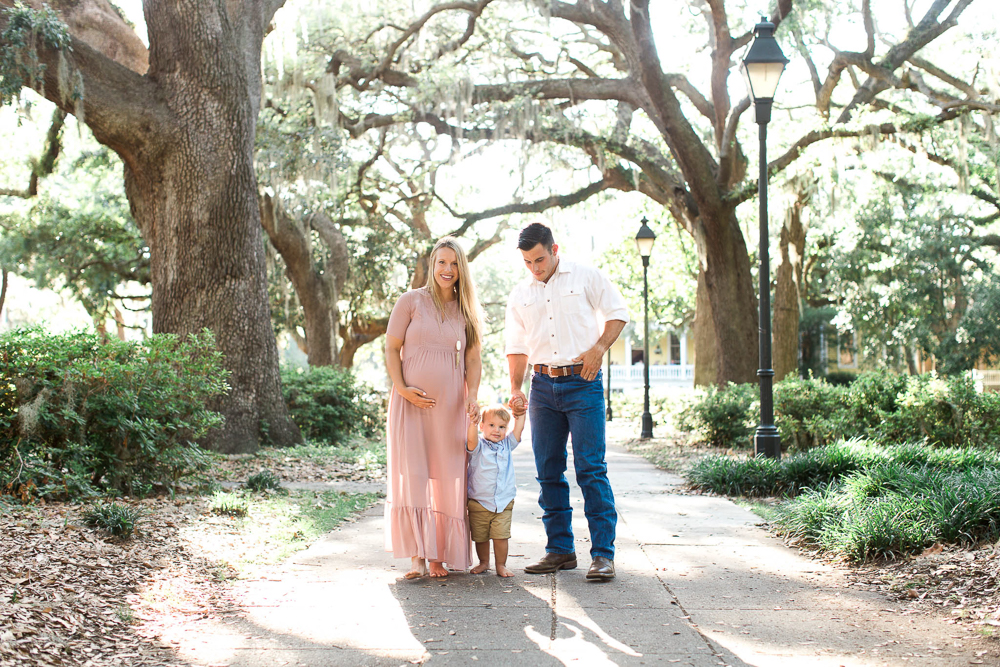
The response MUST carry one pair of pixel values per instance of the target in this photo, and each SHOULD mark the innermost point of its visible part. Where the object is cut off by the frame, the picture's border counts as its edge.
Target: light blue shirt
(491, 473)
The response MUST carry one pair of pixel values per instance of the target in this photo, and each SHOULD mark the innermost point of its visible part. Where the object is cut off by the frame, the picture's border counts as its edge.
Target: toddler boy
(491, 484)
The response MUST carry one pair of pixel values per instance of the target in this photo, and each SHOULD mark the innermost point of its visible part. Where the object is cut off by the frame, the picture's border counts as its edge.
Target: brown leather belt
(558, 371)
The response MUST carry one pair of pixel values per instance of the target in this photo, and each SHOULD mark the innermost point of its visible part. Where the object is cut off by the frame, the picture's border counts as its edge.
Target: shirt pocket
(572, 299)
(530, 306)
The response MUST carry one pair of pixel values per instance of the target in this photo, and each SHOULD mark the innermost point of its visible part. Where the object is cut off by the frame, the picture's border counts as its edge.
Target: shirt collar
(563, 267)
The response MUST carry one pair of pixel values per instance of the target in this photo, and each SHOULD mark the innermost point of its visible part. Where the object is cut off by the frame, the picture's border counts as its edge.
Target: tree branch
(554, 201)
(926, 31)
(934, 70)
(474, 9)
(47, 162)
(749, 190)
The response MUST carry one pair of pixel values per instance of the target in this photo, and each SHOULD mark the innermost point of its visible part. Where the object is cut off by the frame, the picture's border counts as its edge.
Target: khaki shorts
(487, 525)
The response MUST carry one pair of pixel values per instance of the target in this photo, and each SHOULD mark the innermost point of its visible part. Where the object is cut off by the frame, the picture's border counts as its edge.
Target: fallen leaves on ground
(64, 589)
(959, 583)
(74, 596)
(238, 467)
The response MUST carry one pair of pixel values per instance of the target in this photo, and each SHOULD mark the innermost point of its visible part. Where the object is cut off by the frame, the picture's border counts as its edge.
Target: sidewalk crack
(712, 646)
(552, 606)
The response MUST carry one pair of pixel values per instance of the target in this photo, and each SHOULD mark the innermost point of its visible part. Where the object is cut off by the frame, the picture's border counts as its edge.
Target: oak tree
(182, 116)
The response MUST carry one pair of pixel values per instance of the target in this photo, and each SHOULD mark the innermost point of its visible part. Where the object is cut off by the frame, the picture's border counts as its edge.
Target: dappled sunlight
(566, 607)
(571, 650)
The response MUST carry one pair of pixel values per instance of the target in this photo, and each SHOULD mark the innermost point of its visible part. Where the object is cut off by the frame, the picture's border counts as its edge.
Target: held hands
(518, 403)
(591, 360)
(418, 397)
(472, 409)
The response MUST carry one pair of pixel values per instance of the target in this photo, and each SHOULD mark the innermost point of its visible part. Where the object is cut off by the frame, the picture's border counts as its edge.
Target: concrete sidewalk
(698, 584)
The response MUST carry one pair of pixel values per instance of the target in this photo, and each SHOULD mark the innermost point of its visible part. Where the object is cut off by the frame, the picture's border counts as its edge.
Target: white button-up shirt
(556, 322)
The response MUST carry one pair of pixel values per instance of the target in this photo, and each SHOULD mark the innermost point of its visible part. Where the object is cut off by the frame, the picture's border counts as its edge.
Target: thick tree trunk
(787, 294)
(734, 303)
(185, 131)
(194, 195)
(419, 278)
(704, 336)
(198, 211)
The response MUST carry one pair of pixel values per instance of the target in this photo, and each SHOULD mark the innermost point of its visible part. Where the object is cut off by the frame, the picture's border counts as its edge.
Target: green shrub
(943, 411)
(723, 417)
(78, 414)
(808, 515)
(265, 480)
(872, 396)
(891, 507)
(117, 519)
(883, 478)
(892, 409)
(810, 412)
(956, 458)
(329, 403)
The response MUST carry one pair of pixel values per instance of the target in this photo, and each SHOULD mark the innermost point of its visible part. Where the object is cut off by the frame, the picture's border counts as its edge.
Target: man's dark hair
(534, 234)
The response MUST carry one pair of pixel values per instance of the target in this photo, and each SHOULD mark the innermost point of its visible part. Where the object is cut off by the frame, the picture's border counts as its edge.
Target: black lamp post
(644, 241)
(761, 68)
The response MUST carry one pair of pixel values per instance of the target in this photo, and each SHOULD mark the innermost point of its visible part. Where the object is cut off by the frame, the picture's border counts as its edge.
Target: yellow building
(672, 361)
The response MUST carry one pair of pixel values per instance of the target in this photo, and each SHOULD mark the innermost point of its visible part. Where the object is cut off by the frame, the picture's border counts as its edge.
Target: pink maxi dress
(425, 509)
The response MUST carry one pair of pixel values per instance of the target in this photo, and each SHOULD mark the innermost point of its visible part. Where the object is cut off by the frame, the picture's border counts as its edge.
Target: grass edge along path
(861, 502)
(269, 527)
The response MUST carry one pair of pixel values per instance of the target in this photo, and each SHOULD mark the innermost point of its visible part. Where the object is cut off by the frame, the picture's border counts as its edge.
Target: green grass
(265, 480)
(751, 477)
(126, 615)
(862, 502)
(354, 449)
(309, 516)
(230, 504)
(274, 527)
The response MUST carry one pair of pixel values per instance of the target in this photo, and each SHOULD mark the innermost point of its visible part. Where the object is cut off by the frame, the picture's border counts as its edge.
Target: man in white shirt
(564, 318)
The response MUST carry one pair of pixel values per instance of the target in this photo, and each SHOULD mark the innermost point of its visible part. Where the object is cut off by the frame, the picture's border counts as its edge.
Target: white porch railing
(985, 380)
(630, 377)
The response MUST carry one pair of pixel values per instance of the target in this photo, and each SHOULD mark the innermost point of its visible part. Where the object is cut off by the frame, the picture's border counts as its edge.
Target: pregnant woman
(432, 356)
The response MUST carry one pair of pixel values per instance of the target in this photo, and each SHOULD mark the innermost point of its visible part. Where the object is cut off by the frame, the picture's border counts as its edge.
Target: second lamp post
(644, 241)
(761, 68)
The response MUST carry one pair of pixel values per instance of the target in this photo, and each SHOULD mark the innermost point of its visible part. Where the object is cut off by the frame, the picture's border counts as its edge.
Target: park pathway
(698, 584)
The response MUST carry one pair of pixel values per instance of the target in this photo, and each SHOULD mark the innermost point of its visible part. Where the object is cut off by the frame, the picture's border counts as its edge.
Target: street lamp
(761, 68)
(644, 240)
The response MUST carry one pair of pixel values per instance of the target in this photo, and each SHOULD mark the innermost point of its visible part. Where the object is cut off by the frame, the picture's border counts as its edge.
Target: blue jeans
(558, 408)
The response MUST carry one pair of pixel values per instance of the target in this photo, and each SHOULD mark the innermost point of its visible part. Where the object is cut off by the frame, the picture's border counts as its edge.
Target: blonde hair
(499, 410)
(465, 291)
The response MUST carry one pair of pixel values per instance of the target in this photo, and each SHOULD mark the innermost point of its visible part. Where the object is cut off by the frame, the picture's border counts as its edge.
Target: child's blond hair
(499, 411)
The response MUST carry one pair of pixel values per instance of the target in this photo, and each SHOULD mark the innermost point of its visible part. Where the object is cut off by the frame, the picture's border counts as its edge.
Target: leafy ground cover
(959, 581)
(74, 595)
